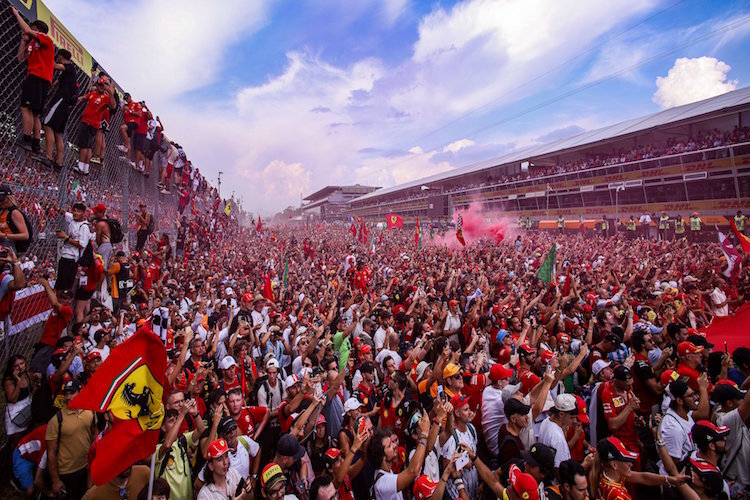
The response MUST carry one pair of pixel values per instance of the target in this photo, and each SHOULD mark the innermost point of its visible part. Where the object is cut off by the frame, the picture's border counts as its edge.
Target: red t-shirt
(528, 380)
(691, 373)
(41, 60)
(130, 112)
(614, 404)
(249, 418)
(610, 490)
(143, 121)
(149, 276)
(55, 325)
(98, 103)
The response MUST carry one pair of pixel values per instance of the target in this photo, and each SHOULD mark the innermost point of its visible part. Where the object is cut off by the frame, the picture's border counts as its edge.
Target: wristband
(423, 436)
(422, 442)
(660, 443)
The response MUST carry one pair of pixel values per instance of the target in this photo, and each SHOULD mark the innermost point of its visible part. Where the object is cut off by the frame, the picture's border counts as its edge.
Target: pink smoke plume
(477, 225)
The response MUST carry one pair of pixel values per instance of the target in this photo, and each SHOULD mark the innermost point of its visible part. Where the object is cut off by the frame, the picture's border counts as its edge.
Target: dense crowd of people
(305, 364)
(399, 373)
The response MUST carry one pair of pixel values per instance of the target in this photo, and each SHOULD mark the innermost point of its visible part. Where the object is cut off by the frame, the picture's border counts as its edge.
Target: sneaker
(122, 148)
(25, 145)
(123, 158)
(76, 168)
(132, 164)
(95, 159)
(164, 191)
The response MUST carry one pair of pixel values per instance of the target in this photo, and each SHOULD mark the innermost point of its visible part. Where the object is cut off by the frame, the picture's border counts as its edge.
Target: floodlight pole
(617, 206)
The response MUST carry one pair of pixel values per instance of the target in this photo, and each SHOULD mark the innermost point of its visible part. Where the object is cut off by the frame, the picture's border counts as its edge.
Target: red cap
(333, 453)
(248, 297)
(583, 413)
(93, 355)
(459, 400)
(669, 376)
(499, 372)
(99, 207)
(563, 337)
(547, 355)
(217, 449)
(726, 381)
(523, 484)
(424, 487)
(688, 348)
(587, 308)
(365, 348)
(453, 303)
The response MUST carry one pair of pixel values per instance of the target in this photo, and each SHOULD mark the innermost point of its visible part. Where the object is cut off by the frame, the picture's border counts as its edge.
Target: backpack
(115, 230)
(21, 246)
(253, 396)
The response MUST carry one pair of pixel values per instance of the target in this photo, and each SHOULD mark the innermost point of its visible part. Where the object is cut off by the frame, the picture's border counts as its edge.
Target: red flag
(358, 219)
(307, 224)
(566, 286)
(353, 230)
(363, 233)
(267, 288)
(259, 227)
(744, 240)
(733, 329)
(130, 386)
(394, 220)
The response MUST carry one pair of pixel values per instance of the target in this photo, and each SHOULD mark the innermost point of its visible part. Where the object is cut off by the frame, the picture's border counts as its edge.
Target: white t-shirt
(386, 487)
(469, 473)
(552, 435)
(379, 338)
(493, 416)
(717, 297)
(78, 231)
(675, 431)
(739, 436)
(384, 354)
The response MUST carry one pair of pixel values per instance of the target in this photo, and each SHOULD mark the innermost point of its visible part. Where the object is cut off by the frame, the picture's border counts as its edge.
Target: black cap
(72, 386)
(726, 392)
(704, 432)
(65, 292)
(622, 372)
(5, 190)
(540, 455)
(678, 388)
(612, 449)
(226, 425)
(613, 338)
(289, 447)
(515, 407)
(700, 341)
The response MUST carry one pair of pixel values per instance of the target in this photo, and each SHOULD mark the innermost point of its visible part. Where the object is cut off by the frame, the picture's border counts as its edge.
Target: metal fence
(44, 194)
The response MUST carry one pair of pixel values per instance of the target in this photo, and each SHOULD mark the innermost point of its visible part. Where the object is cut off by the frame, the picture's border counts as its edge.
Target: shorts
(67, 269)
(82, 294)
(152, 148)
(139, 142)
(86, 136)
(132, 126)
(33, 93)
(57, 116)
(23, 470)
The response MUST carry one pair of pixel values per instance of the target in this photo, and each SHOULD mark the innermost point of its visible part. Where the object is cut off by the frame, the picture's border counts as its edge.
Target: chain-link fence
(44, 193)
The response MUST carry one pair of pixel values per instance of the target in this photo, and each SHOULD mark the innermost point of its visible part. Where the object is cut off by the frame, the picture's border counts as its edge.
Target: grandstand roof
(326, 191)
(670, 116)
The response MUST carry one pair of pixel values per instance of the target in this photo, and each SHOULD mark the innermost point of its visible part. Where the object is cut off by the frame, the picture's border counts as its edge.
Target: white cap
(599, 365)
(229, 291)
(227, 362)
(291, 380)
(352, 404)
(565, 402)
(421, 368)
(272, 363)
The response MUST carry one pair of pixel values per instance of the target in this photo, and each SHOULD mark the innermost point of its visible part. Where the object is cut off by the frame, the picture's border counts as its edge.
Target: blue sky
(288, 96)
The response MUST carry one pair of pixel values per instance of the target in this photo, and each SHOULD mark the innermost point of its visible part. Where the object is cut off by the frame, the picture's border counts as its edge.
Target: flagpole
(151, 476)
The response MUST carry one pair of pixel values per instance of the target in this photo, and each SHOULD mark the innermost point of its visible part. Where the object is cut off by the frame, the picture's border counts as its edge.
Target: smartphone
(513, 348)
(362, 425)
(240, 487)
(462, 461)
(726, 349)
(441, 393)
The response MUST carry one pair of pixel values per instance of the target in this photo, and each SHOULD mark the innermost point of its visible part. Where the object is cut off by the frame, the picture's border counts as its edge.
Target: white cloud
(691, 80)
(393, 9)
(456, 146)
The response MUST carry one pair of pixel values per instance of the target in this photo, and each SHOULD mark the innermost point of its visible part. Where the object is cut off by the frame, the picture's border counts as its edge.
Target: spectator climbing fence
(44, 194)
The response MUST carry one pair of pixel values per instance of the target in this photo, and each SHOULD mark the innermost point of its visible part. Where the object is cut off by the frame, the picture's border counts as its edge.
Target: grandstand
(691, 158)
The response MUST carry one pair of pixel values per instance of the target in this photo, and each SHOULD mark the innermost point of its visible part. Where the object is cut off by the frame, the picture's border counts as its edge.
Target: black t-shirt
(181, 234)
(67, 86)
(242, 315)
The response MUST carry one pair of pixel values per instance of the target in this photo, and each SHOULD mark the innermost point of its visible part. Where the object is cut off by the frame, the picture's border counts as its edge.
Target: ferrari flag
(394, 220)
(129, 386)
